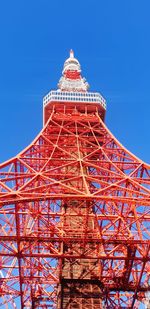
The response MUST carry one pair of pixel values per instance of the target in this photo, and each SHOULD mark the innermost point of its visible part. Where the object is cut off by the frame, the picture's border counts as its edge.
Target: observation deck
(57, 97)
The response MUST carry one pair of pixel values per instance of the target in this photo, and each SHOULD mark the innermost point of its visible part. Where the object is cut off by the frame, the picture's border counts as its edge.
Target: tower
(74, 210)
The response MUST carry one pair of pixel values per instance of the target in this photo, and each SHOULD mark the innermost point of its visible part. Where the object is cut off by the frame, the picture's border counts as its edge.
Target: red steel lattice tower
(74, 210)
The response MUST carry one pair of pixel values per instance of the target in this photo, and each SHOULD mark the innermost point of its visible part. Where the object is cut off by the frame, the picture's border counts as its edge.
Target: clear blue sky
(111, 39)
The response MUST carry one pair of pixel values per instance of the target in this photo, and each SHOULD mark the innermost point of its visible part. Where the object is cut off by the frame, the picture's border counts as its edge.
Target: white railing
(62, 96)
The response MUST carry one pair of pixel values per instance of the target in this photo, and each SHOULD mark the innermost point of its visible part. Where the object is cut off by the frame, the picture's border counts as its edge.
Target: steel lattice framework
(75, 217)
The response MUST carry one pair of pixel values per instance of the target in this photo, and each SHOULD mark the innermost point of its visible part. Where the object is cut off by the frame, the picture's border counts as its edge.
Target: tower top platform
(72, 90)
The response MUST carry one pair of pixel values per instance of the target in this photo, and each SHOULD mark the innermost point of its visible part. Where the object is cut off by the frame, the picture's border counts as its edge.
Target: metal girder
(74, 218)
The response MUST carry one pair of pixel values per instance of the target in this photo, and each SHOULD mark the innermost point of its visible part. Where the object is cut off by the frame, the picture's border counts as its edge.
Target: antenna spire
(71, 53)
(71, 79)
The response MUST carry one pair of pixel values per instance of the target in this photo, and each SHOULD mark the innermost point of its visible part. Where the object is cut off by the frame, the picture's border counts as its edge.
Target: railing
(62, 96)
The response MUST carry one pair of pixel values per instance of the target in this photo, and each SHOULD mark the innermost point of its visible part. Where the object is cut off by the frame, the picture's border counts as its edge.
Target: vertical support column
(80, 287)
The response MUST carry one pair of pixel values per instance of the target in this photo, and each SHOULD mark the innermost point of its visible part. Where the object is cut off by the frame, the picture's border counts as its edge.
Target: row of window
(75, 99)
(73, 96)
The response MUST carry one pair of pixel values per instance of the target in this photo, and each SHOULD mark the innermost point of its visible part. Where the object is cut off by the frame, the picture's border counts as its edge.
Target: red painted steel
(75, 218)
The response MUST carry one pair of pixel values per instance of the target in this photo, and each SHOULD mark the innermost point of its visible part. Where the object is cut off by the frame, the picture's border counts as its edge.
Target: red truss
(75, 218)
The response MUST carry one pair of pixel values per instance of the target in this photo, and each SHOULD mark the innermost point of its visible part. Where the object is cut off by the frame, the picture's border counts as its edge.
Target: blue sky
(110, 38)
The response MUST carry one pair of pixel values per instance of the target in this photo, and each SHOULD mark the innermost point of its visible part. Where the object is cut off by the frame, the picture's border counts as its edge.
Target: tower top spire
(71, 53)
(71, 79)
